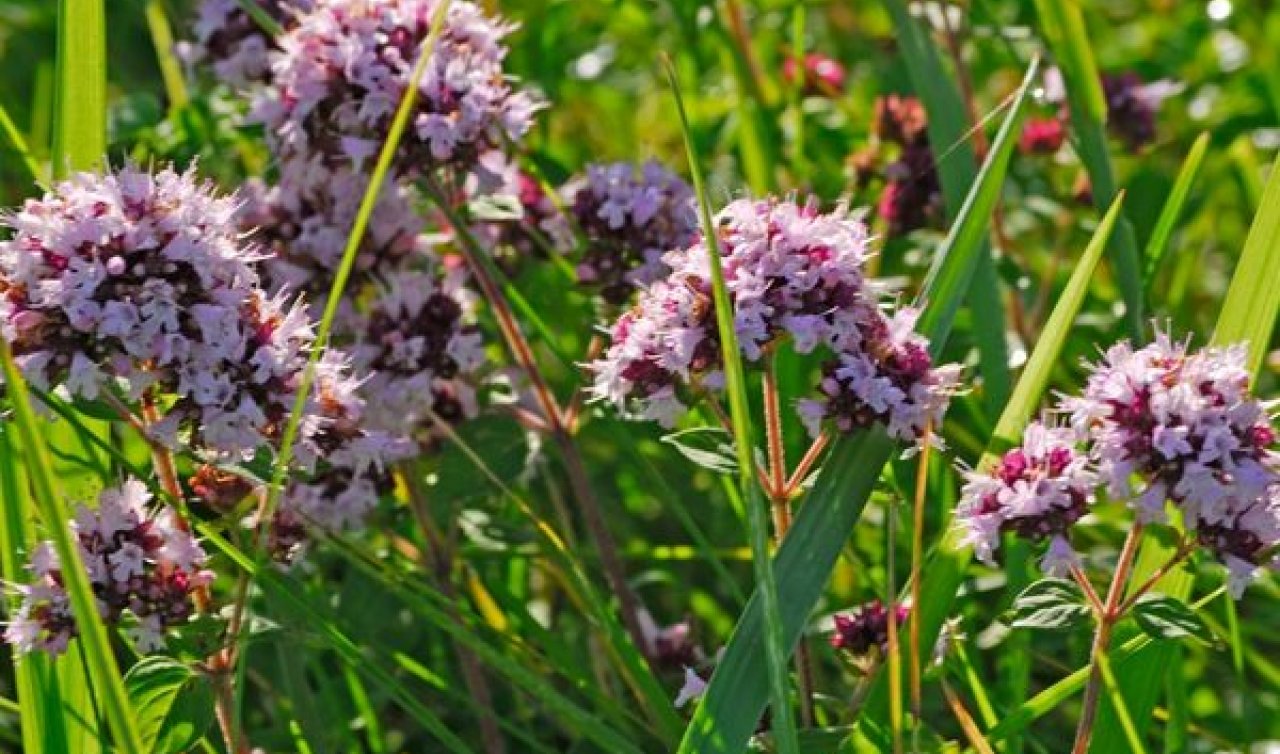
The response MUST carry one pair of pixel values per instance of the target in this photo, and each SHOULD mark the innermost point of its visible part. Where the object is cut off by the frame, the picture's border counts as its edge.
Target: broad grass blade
(80, 93)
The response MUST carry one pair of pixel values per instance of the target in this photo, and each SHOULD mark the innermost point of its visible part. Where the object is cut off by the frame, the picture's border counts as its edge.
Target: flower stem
(917, 572)
(522, 352)
(1110, 615)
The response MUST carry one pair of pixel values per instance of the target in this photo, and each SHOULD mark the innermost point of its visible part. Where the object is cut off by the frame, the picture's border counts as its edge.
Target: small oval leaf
(1165, 617)
(174, 704)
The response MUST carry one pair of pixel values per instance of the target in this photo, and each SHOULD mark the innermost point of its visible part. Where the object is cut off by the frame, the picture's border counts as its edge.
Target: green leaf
(1063, 26)
(1165, 617)
(174, 703)
(1050, 605)
(736, 695)
(776, 647)
(1159, 241)
(80, 97)
(708, 447)
(950, 132)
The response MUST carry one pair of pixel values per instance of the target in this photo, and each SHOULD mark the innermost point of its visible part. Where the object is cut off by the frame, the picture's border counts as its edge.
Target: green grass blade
(738, 691)
(1248, 315)
(80, 94)
(104, 673)
(18, 143)
(261, 17)
(175, 86)
(949, 560)
(39, 699)
(775, 649)
(1064, 29)
(1158, 244)
(950, 133)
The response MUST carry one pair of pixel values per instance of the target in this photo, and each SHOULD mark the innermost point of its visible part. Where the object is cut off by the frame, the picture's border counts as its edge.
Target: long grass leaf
(80, 94)
(19, 144)
(175, 86)
(739, 689)
(104, 673)
(775, 649)
(1158, 244)
(949, 129)
(1062, 24)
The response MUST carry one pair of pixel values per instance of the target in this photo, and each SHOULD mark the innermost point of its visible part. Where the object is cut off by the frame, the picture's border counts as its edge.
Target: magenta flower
(864, 632)
(1037, 491)
(140, 562)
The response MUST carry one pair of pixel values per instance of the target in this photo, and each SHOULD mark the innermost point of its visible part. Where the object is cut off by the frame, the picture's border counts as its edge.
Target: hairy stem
(1102, 640)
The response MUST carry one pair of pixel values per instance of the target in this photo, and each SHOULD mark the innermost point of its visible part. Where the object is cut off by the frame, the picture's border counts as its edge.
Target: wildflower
(138, 561)
(890, 379)
(1042, 136)
(342, 71)
(819, 75)
(899, 120)
(912, 195)
(1132, 107)
(629, 220)
(864, 633)
(235, 43)
(141, 280)
(792, 273)
(694, 687)
(1185, 425)
(305, 220)
(1037, 491)
(421, 354)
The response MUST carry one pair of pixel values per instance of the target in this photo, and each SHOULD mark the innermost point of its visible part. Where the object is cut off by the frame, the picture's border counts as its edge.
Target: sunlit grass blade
(104, 673)
(39, 699)
(80, 94)
(739, 689)
(18, 143)
(951, 133)
(1248, 315)
(947, 565)
(1158, 244)
(261, 17)
(1062, 24)
(776, 650)
(170, 69)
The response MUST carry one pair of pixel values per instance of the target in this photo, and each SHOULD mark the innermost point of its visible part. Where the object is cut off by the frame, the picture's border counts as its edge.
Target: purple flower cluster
(344, 68)
(304, 221)
(141, 562)
(142, 280)
(792, 272)
(864, 632)
(1037, 491)
(629, 220)
(1132, 106)
(1158, 424)
(1187, 428)
(237, 46)
(421, 354)
(912, 195)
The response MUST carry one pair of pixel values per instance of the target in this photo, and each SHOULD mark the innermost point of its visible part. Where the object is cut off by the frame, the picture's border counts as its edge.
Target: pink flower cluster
(629, 219)
(420, 352)
(236, 45)
(305, 219)
(140, 280)
(343, 70)
(1186, 426)
(792, 272)
(1037, 491)
(1158, 424)
(138, 561)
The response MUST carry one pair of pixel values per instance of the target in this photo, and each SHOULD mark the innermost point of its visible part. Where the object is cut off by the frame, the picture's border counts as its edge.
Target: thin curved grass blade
(1158, 245)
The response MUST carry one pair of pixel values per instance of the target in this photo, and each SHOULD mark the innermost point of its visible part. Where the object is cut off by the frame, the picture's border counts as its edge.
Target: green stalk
(740, 413)
(80, 94)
